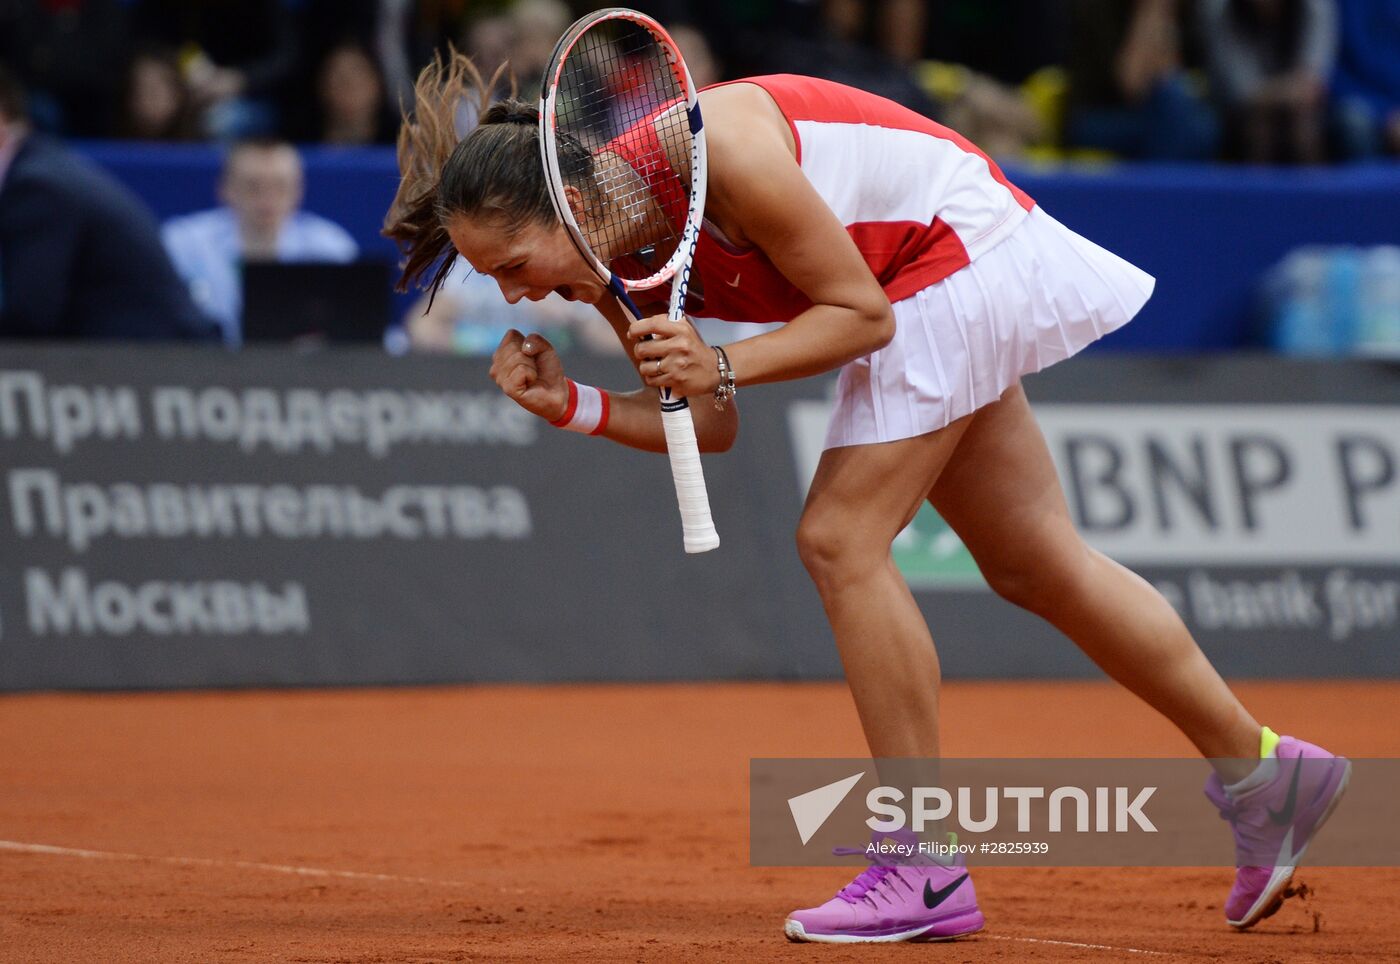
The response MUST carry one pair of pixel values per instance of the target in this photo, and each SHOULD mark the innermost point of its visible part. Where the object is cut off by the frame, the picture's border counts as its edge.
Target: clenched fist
(527, 369)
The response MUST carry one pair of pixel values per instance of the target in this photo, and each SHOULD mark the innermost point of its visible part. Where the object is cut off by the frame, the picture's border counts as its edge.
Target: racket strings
(619, 187)
(621, 100)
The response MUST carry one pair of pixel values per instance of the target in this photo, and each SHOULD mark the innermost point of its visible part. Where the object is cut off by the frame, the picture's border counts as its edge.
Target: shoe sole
(797, 933)
(1271, 899)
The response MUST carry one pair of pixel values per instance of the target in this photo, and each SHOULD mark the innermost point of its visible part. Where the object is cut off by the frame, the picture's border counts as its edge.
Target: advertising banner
(175, 517)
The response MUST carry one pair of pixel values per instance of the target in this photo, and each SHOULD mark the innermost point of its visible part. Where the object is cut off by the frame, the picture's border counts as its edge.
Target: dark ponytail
(494, 170)
(512, 110)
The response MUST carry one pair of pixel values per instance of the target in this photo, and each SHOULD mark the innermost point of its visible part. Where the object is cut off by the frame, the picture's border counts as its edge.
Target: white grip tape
(696, 525)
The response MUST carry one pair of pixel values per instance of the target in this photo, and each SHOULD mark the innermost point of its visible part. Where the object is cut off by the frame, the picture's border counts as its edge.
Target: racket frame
(690, 234)
(698, 527)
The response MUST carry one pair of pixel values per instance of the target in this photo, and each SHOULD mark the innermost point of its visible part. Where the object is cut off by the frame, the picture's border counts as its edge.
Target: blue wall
(1207, 233)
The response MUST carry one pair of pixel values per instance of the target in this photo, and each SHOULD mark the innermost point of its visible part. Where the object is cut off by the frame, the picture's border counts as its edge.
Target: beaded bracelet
(726, 389)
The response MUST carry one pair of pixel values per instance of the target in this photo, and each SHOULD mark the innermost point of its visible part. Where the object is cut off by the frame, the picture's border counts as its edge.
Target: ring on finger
(658, 368)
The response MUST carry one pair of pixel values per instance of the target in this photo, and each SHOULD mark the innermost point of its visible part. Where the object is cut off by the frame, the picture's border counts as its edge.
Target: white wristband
(587, 411)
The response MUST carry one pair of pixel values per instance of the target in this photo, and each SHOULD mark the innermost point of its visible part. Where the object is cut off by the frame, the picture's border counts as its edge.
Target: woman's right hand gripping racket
(624, 157)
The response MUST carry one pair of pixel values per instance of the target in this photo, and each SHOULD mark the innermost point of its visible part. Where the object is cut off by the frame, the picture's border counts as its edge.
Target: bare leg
(1000, 493)
(861, 497)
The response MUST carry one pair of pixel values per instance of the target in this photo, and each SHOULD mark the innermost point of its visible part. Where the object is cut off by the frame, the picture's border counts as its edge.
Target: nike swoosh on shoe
(932, 898)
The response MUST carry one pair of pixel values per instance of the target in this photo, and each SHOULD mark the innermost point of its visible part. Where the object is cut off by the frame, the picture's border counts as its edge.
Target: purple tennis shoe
(1274, 823)
(896, 898)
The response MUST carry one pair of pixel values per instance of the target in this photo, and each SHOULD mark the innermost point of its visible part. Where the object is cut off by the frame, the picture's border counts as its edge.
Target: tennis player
(899, 254)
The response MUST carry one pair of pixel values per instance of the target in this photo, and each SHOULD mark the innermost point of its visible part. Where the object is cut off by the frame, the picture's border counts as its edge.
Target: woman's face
(530, 262)
(155, 96)
(350, 85)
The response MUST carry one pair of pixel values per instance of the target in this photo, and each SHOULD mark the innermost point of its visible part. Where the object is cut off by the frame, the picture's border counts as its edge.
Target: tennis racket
(624, 159)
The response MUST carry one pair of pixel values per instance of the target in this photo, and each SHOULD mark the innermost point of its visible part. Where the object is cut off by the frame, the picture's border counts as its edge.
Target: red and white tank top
(919, 200)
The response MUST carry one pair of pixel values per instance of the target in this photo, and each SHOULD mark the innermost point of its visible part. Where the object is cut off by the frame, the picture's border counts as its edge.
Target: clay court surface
(600, 823)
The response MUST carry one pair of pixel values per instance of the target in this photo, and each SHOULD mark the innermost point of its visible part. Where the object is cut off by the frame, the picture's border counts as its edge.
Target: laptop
(315, 302)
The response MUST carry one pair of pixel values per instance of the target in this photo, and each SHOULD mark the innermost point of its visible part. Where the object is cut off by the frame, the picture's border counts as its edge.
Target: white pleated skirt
(1038, 297)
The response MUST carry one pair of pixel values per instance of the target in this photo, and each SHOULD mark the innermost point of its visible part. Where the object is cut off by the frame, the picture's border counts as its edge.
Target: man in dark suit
(80, 256)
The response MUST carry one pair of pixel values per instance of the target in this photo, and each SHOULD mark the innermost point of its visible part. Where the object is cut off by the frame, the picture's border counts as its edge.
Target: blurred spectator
(1128, 91)
(699, 58)
(1269, 65)
(79, 255)
(522, 38)
(836, 52)
(261, 190)
(350, 100)
(238, 55)
(155, 103)
(968, 61)
(514, 48)
(401, 36)
(991, 114)
(66, 53)
(902, 24)
(1006, 40)
(470, 316)
(1366, 82)
(741, 33)
(537, 26)
(489, 42)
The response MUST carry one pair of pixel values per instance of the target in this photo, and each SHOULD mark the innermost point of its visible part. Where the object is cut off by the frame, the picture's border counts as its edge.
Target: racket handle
(697, 527)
